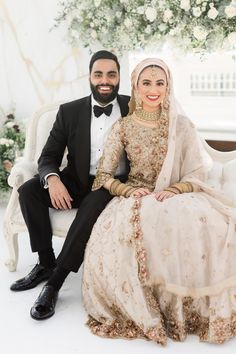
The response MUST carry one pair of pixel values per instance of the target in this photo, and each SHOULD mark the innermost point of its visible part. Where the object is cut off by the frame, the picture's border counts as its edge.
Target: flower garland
(123, 25)
(12, 141)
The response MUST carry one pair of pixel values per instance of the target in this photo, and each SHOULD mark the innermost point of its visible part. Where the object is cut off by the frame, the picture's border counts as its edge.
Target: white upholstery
(222, 175)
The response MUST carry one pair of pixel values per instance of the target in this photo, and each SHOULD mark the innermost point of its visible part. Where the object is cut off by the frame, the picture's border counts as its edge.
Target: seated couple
(161, 257)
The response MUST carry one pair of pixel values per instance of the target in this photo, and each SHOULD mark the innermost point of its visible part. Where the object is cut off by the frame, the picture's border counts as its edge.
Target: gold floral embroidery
(145, 148)
(138, 237)
(215, 331)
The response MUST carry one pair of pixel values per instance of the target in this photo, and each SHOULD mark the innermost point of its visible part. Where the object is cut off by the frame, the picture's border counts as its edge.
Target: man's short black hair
(103, 54)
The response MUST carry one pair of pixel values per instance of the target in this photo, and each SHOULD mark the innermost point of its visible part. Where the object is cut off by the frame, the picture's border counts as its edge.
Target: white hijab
(186, 158)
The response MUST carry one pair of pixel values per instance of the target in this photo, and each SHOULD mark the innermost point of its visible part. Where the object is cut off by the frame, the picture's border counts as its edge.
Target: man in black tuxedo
(82, 127)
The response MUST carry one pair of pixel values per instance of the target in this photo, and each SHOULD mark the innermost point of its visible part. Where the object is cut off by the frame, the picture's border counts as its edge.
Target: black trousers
(35, 203)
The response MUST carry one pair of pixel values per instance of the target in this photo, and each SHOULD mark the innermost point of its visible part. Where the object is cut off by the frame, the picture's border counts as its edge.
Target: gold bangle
(113, 186)
(183, 187)
(172, 190)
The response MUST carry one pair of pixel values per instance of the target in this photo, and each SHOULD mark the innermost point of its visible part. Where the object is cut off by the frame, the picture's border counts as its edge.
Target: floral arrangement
(12, 141)
(122, 25)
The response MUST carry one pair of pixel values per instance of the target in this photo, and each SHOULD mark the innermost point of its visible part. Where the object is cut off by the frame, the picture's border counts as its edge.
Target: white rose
(7, 142)
(108, 17)
(162, 27)
(197, 11)
(232, 38)
(167, 15)
(148, 29)
(97, 3)
(185, 5)
(198, 2)
(140, 10)
(10, 124)
(94, 34)
(173, 32)
(74, 33)
(230, 11)
(151, 14)
(128, 23)
(212, 13)
(199, 33)
(118, 14)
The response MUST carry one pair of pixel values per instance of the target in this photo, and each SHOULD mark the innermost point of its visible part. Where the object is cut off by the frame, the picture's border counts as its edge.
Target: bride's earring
(138, 102)
(166, 103)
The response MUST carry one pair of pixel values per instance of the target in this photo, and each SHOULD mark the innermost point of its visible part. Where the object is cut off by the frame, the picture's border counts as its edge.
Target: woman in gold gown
(161, 260)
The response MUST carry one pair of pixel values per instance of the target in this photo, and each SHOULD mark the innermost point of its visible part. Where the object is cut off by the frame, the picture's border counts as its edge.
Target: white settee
(222, 175)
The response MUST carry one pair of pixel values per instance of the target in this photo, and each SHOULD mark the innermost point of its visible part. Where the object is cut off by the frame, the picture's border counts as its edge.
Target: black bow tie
(98, 110)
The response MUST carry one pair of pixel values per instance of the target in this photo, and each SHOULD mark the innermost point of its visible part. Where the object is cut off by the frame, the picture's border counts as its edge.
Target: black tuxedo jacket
(71, 129)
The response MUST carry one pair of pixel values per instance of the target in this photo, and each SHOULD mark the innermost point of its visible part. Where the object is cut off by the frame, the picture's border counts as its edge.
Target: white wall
(37, 66)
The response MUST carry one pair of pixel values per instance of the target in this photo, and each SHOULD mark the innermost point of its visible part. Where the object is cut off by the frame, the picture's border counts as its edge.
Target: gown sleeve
(112, 153)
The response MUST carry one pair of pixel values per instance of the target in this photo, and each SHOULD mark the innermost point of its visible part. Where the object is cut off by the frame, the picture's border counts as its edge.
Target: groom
(81, 126)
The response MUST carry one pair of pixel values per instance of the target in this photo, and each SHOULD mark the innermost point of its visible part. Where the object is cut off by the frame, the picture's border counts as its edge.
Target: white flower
(199, 33)
(185, 5)
(173, 32)
(128, 23)
(97, 3)
(94, 34)
(6, 142)
(148, 29)
(74, 34)
(151, 14)
(167, 15)
(230, 11)
(118, 14)
(198, 2)
(9, 124)
(140, 10)
(162, 27)
(212, 13)
(108, 17)
(197, 11)
(232, 38)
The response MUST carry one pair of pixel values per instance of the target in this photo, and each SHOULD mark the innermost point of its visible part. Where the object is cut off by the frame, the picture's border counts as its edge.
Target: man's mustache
(106, 85)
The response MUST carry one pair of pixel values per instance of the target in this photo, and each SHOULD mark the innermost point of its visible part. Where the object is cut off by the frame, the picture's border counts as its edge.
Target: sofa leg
(12, 243)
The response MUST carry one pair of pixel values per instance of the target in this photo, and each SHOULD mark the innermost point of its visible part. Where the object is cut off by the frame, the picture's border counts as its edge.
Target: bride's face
(151, 88)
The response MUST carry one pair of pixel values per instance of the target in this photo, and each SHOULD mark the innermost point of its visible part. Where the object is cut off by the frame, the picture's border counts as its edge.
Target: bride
(161, 260)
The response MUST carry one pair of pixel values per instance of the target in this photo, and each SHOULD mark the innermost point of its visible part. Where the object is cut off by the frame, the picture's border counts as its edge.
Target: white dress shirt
(100, 129)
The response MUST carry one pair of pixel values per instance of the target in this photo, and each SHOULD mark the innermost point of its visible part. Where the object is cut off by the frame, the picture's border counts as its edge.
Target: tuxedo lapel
(123, 103)
(83, 142)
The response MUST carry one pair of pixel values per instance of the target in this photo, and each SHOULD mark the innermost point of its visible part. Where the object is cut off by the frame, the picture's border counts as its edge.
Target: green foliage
(12, 141)
(123, 25)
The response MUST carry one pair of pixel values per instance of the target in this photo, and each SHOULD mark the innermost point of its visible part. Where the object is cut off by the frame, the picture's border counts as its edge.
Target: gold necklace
(148, 116)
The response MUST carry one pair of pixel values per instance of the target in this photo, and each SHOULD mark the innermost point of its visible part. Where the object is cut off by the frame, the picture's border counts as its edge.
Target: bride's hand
(162, 195)
(140, 192)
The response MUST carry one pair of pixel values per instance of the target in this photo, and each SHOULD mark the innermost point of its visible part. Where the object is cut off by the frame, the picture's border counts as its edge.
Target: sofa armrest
(21, 172)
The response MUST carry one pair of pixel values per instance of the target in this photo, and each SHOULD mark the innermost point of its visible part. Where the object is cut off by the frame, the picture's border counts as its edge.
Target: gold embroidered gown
(160, 269)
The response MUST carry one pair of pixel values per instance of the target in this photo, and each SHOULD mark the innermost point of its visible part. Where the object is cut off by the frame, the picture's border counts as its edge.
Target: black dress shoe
(44, 306)
(38, 274)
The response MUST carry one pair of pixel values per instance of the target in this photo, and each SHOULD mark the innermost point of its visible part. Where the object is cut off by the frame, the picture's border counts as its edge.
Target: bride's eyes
(158, 83)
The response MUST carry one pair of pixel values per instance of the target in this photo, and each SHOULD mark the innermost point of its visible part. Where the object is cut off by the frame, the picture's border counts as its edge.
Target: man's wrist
(46, 178)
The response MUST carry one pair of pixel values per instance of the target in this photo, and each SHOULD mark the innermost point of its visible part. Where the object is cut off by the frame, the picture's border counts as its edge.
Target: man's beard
(103, 98)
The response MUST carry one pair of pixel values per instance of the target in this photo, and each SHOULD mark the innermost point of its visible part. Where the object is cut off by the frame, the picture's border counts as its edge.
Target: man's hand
(140, 192)
(162, 195)
(59, 195)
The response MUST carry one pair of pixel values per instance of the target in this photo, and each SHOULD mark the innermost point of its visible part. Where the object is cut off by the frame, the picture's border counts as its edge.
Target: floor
(66, 332)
